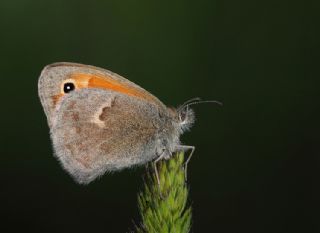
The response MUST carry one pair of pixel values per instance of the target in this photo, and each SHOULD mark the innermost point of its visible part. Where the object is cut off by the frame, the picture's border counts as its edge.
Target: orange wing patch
(83, 80)
(106, 82)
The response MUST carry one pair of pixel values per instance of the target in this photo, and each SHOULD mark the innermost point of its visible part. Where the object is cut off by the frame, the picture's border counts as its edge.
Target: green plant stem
(163, 207)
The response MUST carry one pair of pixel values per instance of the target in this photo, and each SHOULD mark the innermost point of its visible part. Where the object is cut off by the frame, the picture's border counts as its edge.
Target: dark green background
(256, 166)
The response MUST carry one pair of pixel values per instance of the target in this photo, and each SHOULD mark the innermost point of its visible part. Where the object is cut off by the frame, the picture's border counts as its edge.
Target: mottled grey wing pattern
(96, 130)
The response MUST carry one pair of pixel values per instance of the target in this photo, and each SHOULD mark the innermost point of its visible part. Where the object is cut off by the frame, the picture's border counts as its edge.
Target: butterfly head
(185, 114)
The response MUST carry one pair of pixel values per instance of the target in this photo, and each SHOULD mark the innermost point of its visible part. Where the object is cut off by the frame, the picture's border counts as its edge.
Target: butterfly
(101, 122)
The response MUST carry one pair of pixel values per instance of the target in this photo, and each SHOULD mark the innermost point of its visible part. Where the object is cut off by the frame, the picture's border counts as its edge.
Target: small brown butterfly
(101, 122)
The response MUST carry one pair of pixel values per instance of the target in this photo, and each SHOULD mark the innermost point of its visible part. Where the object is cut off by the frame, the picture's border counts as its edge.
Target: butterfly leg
(156, 167)
(184, 148)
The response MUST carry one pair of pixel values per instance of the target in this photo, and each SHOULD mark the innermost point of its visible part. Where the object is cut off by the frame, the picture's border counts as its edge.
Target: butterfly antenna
(198, 101)
(189, 101)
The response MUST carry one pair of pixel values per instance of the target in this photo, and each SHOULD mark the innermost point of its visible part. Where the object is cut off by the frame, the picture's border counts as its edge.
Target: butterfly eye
(68, 87)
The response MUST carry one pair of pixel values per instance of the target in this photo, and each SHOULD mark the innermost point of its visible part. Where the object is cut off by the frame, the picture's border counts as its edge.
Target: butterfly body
(101, 122)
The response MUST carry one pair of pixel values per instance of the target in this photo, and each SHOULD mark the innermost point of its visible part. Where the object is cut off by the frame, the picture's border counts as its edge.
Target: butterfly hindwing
(95, 131)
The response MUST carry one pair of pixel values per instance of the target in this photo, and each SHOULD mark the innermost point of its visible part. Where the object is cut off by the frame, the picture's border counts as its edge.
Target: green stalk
(164, 208)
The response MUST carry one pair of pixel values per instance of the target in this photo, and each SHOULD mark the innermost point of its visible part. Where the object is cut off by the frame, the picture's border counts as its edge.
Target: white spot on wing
(96, 117)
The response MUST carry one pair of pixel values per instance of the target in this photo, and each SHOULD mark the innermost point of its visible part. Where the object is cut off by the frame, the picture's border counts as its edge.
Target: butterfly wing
(50, 85)
(95, 130)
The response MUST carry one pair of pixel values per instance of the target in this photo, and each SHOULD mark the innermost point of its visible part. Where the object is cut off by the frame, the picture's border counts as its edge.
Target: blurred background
(257, 160)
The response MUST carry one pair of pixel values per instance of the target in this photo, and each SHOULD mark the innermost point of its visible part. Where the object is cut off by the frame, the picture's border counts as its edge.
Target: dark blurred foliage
(256, 166)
